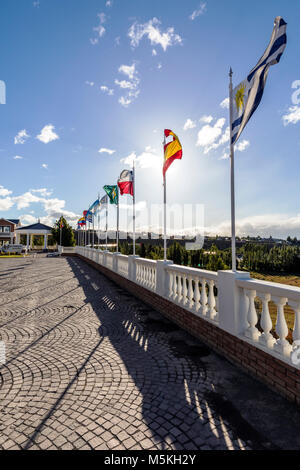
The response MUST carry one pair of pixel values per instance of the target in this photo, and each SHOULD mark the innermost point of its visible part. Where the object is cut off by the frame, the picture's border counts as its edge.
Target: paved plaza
(88, 366)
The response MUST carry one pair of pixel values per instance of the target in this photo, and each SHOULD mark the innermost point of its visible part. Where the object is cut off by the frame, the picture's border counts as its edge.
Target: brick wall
(274, 373)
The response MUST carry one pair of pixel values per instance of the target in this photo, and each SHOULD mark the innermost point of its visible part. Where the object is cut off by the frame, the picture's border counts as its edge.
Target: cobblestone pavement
(90, 367)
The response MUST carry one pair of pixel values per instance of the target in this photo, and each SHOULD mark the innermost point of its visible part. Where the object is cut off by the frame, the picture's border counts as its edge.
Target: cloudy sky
(91, 84)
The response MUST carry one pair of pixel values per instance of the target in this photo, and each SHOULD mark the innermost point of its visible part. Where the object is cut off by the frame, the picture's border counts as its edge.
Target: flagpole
(98, 221)
(118, 216)
(133, 205)
(165, 208)
(93, 229)
(233, 245)
(60, 231)
(106, 219)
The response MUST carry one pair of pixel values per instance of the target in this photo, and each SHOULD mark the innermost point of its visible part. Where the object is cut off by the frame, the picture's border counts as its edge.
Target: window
(4, 229)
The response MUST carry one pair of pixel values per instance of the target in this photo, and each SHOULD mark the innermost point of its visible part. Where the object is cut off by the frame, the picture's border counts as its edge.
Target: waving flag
(172, 150)
(89, 216)
(103, 202)
(125, 182)
(94, 206)
(248, 94)
(113, 193)
(81, 221)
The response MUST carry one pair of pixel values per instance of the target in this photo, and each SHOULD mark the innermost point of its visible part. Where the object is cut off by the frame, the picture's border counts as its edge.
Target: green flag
(113, 194)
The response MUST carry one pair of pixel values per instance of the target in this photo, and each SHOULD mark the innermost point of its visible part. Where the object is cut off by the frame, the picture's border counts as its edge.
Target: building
(35, 229)
(8, 229)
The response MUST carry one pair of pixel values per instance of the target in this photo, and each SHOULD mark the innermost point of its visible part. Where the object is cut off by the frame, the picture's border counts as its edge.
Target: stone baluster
(197, 296)
(252, 332)
(174, 291)
(179, 290)
(184, 290)
(190, 292)
(266, 338)
(296, 332)
(203, 309)
(211, 300)
(171, 276)
(282, 346)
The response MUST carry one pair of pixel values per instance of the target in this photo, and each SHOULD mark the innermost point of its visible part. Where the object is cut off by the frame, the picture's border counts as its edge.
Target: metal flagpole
(165, 209)
(93, 229)
(118, 216)
(233, 246)
(60, 238)
(106, 220)
(98, 221)
(133, 205)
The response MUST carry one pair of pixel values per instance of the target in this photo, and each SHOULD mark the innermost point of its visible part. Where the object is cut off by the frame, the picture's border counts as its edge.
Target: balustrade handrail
(273, 288)
(202, 273)
(145, 261)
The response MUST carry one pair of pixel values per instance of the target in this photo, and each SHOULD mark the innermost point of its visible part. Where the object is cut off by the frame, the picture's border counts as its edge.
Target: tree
(67, 235)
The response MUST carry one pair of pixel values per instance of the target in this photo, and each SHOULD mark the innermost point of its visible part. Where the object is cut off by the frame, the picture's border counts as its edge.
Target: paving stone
(79, 375)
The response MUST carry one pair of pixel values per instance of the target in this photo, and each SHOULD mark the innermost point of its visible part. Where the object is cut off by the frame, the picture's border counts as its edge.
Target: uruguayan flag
(248, 94)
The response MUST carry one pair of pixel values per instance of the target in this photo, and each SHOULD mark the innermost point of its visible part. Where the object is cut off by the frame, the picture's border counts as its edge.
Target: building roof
(37, 227)
(14, 221)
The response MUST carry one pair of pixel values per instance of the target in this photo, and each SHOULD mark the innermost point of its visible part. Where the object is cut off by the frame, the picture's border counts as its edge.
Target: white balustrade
(122, 261)
(146, 273)
(245, 302)
(184, 290)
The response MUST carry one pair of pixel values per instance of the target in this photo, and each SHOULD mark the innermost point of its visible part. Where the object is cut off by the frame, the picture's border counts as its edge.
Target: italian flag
(125, 182)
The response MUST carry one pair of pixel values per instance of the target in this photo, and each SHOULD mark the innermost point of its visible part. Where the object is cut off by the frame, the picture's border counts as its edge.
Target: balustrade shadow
(176, 376)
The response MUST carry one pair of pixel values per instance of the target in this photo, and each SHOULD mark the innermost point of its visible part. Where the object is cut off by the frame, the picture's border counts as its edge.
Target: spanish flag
(173, 150)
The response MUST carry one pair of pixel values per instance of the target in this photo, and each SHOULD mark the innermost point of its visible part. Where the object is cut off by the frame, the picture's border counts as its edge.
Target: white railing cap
(145, 261)
(201, 273)
(273, 288)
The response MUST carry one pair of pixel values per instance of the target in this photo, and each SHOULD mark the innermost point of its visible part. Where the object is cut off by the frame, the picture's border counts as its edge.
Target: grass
(12, 256)
(288, 279)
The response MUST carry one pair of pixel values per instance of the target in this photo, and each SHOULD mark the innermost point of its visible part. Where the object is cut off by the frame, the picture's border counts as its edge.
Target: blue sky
(86, 75)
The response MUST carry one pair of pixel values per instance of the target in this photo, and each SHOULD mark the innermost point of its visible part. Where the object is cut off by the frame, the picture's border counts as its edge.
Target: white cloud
(117, 40)
(277, 225)
(147, 159)
(100, 30)
(189, 124)
(42, 191)
(154, 53)
(208, 135)
(109, 3)
(27, 219)
(206, 119)
(152, 31)
(24, 200)
(89, 83)
(200, 11)
(18, 157)
(225, 103)
(159, 66)
(21, 137)
(125, 84)
(45, 166)
(293, 116)
(102, 17)
(128, 70)
(108, 91)
(240, 147)
(125, 102)
(94, 41)
(109, 151)
(47, 134)
(132, 84)
(4, 191)
(6, 203)
(243, 145)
